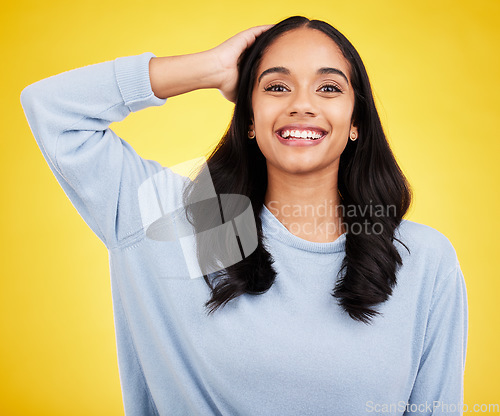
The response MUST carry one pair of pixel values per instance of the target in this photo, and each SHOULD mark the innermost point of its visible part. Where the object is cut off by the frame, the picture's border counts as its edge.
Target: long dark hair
(368, 177)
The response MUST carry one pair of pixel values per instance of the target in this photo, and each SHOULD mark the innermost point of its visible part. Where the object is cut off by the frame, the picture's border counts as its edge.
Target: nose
(302, 104)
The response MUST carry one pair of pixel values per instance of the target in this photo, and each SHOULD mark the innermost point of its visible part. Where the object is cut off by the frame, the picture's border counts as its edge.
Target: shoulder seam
(442, 282)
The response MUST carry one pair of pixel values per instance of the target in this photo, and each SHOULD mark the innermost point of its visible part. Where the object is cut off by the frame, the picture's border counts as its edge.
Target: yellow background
(434, 66)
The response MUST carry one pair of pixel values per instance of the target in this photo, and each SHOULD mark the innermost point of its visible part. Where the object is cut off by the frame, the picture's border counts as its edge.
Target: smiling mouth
(297, 134)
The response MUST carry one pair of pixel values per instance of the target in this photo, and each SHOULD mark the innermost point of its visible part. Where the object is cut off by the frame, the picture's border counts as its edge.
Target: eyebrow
(326, 70)
(321, 71)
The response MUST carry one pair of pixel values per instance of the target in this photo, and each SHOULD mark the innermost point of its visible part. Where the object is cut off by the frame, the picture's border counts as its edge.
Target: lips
(301, 132)
(293, 135)
(300, 135)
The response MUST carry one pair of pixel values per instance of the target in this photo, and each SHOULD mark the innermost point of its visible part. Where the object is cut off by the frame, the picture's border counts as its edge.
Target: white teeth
(301, 134)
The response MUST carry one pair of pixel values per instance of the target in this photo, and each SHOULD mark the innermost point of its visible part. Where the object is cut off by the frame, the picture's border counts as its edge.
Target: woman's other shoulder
(425, 240)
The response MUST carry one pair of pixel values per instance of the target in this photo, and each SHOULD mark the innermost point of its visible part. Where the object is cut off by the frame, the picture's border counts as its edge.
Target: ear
(354, 129)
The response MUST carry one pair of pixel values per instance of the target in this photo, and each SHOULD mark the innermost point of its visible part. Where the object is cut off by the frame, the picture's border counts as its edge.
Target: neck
(306, 204)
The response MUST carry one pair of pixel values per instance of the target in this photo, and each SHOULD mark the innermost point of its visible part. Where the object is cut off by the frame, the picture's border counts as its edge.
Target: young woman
(323, 300)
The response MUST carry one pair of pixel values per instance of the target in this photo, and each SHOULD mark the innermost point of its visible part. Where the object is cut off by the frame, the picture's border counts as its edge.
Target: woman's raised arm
(70, 114)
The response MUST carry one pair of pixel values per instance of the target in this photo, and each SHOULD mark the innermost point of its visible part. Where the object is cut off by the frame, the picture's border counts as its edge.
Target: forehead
(304, 49)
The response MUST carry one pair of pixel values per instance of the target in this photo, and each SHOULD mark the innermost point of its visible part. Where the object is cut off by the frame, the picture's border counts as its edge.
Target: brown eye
(276, 88)
(329, 88)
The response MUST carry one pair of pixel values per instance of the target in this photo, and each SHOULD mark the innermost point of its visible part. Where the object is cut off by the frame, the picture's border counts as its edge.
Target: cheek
(340, 115)
(260, 117)
(265, 114)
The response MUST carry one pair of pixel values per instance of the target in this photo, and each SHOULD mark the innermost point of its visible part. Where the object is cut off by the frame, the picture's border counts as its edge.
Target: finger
(251, 34)
(257, 30)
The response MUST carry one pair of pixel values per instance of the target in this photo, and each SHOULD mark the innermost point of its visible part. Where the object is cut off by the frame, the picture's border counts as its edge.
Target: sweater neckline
(273, 229)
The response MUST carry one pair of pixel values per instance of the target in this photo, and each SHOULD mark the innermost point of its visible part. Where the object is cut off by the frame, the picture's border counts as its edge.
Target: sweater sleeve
(69, 115)
(438, 388)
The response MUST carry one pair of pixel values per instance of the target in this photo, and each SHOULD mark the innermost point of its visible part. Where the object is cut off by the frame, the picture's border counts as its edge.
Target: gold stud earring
(251, 134)
(353, 136)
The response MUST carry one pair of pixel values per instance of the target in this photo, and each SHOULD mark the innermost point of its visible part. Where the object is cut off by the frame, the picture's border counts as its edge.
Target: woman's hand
(227, 54)
(215, 68)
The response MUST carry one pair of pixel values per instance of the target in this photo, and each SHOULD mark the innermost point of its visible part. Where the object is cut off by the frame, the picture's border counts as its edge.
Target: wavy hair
(368, 176)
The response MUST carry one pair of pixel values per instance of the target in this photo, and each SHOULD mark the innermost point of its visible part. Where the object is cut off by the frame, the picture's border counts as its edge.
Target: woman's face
(302, 103)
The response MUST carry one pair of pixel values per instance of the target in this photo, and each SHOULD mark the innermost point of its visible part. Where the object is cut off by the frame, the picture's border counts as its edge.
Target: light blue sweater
(291, 351)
